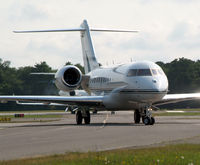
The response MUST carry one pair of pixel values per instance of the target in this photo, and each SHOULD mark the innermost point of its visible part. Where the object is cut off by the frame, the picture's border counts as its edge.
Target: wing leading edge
(82, 101)
(175, 98)
(94, 101)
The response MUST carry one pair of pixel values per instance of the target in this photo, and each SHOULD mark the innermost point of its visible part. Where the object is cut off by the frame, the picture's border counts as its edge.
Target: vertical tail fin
(89, 59)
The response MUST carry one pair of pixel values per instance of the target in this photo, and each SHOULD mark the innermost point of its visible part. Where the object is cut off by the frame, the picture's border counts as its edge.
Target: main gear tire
(87, 118)
(79, 118)
(137, 117)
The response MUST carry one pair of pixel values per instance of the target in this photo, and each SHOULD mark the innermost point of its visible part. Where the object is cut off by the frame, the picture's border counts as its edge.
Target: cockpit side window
(144, 72)
(160, 71)
(154, 71)
(132, 72)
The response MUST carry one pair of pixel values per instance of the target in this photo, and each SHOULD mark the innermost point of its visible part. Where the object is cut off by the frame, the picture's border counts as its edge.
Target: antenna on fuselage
(131, 59)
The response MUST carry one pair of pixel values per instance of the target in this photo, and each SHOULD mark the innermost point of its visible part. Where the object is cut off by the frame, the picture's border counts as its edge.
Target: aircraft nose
(156, 84)
(159, 84)
(154, 81)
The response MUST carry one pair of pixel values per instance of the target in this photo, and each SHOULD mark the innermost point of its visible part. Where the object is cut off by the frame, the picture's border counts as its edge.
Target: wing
(75, 100)
(36, 103)
(174, 98)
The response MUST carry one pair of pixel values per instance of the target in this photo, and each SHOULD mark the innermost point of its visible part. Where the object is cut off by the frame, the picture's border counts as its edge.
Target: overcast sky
(167, 30)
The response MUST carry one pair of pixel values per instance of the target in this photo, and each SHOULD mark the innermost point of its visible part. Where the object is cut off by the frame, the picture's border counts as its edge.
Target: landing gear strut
(80, 115)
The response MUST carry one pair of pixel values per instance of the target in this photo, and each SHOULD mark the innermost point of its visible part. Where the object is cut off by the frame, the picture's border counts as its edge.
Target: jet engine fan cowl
(68, 78)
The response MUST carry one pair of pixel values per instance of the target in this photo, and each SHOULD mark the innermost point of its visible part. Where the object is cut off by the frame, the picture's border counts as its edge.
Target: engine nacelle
(68, 78)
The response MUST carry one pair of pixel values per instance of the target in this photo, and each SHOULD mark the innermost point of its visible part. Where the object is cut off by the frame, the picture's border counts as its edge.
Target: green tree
(183, 75)
(78, 65)
(42, 67)
(9, 83)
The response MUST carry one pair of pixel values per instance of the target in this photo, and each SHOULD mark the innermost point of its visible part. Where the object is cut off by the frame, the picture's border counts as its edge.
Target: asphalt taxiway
(106, 132)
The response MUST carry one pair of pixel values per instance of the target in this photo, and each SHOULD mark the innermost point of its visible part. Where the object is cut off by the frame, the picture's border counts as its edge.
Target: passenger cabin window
(100, 80)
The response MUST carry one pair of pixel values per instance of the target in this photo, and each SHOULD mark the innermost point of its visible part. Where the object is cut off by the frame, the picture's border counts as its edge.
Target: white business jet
(138, 86)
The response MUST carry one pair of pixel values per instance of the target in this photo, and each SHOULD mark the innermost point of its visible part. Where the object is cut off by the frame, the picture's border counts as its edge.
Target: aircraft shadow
(105, 125)
(82, 125)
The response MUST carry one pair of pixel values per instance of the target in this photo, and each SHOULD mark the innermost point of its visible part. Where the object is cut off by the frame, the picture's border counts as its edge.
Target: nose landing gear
(149, 120)
(146, 116)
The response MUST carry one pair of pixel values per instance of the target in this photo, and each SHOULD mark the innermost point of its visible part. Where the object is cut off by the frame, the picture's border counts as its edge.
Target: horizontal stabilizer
(110, 30)
(75, 30)
(55, 30)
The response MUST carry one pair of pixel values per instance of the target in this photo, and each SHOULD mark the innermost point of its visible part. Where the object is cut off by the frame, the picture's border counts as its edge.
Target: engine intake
(71, 77)
(68, 78)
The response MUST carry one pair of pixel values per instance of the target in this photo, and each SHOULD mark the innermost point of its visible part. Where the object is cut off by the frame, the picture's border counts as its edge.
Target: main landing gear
(80, 115)
(146, 116)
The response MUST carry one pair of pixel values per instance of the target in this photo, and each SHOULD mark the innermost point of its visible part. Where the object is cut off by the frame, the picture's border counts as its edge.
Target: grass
(184, 109)
(187, 112)
(183, 154)
(177, 114)
(32, 121)
(30, 118)
(34, 116)
(188, 109)
(194, 112)
(31, 111)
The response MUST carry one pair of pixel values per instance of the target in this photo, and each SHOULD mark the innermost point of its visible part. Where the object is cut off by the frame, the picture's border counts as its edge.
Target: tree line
(21, 81)
(183, 75)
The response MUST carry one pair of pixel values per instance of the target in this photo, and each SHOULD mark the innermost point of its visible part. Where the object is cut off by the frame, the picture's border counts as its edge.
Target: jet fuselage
(129, 85)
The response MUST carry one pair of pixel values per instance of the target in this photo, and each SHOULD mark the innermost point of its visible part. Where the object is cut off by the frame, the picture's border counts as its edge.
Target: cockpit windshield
(144, 72)
(139, 72)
